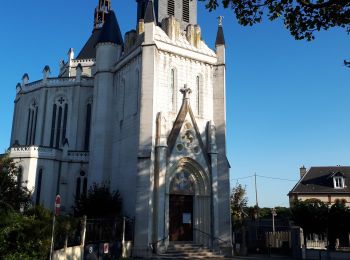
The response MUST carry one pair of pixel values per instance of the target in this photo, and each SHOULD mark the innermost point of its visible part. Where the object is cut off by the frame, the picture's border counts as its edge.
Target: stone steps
(186, 251)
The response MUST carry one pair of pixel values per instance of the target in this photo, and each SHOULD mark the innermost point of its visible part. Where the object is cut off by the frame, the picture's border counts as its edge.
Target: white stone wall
(126, 106)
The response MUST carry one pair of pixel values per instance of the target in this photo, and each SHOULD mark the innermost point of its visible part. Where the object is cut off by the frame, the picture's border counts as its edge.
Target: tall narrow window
(81, 185)
(28, 126)
(172, 91)
(137, 89)
(64, 128)
(122, 101)
(87, 127)
(38, 187)
(59, 123)
(58, 130)
(77, 188)
(186, 11)
(85, 187)
(171, 7)
(35, 122)
(198, 94)
(20, 177)
(53, 124)
(31, 123)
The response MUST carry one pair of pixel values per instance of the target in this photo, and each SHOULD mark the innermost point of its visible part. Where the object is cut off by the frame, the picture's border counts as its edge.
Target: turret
(101, 11)
(149, 21)
(108, 51)
(110, 43)
(25, 79)
(220, 42)
(46, 72)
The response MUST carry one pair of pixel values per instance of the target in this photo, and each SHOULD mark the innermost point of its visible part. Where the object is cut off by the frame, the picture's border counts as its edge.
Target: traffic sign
(58, 205)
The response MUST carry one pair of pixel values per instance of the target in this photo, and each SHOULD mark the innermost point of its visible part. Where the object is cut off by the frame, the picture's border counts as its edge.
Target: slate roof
(89, 51)
(320, 180)
(111, 30)
(149, 14)
(220, 39)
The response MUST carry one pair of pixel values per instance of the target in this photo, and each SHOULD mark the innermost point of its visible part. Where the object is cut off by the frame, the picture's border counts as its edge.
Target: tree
(301, 17)
(238, 201)
(25, 236)
(99, 202)
(13, 194)
(311, 215)
(338, 223)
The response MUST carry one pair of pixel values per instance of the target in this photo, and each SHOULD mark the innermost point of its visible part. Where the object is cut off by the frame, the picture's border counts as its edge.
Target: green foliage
(100, 202)
(12, 193)
(301, 17)
(25, 236)
(238, 202)
(310, 215)
(314, 216)
(282, 213)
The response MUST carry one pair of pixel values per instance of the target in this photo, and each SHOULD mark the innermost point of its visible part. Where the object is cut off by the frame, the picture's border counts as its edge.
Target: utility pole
(256, 192)
(273, 212)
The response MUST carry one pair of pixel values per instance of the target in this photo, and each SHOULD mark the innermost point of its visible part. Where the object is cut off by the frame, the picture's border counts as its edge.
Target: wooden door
(181, 218)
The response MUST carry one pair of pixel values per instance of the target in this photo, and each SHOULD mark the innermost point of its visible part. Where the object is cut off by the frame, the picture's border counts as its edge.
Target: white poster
(186, 218)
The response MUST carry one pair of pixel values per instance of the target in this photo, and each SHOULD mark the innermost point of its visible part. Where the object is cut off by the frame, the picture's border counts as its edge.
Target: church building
(144, 113)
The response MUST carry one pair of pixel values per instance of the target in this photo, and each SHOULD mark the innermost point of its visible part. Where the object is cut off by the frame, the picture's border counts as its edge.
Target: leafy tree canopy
(100, 202)
(25, 236)
(13, 194)
(238, 201)
(301, 17)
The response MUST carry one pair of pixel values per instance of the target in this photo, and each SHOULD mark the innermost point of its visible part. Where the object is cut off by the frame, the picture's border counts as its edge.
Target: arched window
(81, 185)
(20, 177)
(198, 95)
(172, 95)
(77, 188)
(186, 11)
(171, 7)
(122, 101)
(137, 89)
(38, 187)
(31, 123)
(87, 127)
(59, 122)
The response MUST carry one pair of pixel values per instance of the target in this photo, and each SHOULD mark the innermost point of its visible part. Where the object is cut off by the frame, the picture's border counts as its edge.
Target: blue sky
(287, 100)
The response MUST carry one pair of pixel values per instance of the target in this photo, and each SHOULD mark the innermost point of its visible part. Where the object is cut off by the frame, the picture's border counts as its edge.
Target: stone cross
(220, 19)
(61, 100)
(186, 92)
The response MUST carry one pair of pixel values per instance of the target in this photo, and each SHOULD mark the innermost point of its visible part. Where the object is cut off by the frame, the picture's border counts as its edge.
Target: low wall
(325, 255)
(69, 253)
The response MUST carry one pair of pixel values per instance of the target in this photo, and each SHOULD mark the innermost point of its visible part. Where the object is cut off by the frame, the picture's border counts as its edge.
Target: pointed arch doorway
(181, 207)
(188, 203)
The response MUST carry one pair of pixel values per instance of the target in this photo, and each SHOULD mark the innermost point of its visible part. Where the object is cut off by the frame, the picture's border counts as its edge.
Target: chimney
(302, 171)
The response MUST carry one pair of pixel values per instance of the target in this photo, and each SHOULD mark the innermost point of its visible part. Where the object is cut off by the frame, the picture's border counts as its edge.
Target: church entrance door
(181, 218)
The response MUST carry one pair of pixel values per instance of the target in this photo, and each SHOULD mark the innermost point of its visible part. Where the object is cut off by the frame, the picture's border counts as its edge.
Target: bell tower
(184, 11)
(104, 6)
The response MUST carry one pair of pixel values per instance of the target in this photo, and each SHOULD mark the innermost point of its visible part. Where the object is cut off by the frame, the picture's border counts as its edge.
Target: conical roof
(220, 39)
(111, 31)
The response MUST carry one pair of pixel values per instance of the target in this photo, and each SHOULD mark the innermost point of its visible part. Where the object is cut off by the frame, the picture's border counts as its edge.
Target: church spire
(104, 6)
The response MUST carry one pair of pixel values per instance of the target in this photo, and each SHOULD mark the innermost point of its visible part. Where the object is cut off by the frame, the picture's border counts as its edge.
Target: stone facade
(139, 114)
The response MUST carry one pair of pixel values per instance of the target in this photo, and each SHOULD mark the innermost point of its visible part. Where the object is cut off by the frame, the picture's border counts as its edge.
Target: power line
(275, 178)
(262, 176)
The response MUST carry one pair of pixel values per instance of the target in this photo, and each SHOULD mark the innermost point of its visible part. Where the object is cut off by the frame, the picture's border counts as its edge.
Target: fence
(280, 239)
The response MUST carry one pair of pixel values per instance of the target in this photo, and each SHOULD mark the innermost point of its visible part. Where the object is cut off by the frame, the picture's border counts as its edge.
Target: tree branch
(329, 3)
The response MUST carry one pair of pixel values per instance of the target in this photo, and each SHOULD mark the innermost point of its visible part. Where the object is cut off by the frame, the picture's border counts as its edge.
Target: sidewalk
(256, 257)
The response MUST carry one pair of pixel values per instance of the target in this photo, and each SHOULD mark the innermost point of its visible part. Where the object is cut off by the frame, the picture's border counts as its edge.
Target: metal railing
(212, 238)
